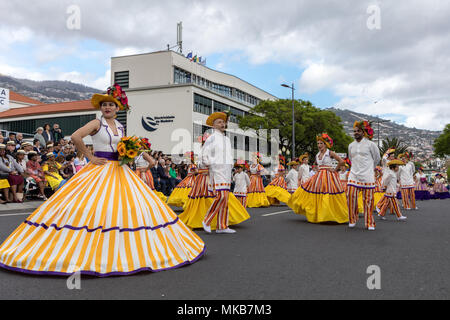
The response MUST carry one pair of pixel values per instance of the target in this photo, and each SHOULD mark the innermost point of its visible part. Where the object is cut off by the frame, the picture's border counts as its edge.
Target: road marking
(275, 213)
(16, 214)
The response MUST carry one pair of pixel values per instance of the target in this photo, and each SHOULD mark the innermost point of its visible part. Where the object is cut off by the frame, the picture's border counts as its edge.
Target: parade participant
(421, 191)
(276, 191)
(217, 156)
(407, 185)
(322, 197)
(390, 182)
(292, 177)
(389, 155)
(201, 198)
(180, 193)
(364, 156)
(241, 183)
(256, 196)
(440, 190)
(303, 170)
(144, 162)
(105, 221)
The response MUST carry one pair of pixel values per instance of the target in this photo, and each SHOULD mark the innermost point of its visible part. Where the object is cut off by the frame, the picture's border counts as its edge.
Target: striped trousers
(384, 200)
(219, 208)
(408, 198)
(352, 201)
(242, 200)
(390, 202)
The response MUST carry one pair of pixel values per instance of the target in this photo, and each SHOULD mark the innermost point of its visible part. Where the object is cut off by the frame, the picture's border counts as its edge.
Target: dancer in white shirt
(217, 155)
(292, 177)
(364, 156)
(303, 170)
(407, 184)
(390, 182)
(242, 182)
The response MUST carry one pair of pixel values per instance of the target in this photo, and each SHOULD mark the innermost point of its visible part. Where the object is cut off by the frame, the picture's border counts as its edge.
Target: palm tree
(397, 144)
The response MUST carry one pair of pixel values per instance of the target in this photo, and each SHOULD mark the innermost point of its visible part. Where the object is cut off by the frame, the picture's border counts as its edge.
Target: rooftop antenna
(179, 44)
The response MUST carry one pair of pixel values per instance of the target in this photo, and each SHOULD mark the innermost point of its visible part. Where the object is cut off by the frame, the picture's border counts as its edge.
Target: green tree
(396, 143)
(309, 122)
(442, 143)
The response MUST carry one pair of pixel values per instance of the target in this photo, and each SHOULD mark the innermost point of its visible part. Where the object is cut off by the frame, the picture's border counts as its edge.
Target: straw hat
(216, 115)
(397, 162)
(114, 94)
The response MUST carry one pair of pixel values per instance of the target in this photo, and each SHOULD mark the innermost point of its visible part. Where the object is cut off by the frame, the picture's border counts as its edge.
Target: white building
(171, 98)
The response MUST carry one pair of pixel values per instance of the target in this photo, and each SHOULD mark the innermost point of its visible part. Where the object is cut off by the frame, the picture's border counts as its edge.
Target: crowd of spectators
(38, 169)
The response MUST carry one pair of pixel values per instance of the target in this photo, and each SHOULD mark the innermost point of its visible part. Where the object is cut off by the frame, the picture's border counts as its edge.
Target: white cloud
(405, 64)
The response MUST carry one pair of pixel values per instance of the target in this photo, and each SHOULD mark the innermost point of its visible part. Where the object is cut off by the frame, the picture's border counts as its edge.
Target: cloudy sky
(386, 58)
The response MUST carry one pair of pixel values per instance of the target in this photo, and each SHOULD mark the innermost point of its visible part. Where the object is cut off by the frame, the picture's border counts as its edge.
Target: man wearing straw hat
(217, 155)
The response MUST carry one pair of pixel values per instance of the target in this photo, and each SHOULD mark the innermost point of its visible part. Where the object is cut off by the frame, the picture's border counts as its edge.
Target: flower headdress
(366, 127)
(114, 94)
(326, 139)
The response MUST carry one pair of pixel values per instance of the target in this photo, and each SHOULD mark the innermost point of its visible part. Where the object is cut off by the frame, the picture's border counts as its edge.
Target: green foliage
(309, 122)
(397, 144)
(442, 143)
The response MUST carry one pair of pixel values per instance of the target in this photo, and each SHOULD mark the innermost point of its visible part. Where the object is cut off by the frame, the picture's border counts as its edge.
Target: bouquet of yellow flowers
(131, 147)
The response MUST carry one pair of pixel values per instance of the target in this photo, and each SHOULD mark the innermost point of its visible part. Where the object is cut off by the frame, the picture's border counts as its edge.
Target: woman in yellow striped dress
(322, 198)
(276, 191)
(105, 220)
(180, 193)
(256, 196)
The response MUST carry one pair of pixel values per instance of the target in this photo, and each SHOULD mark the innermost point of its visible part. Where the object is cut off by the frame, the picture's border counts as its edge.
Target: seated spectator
(37, 146)
(19, 140)
(80, 161)
(9, 165)
(69, 170)
(51, 170)
(163, 178)
(36, 173)
(173, 173)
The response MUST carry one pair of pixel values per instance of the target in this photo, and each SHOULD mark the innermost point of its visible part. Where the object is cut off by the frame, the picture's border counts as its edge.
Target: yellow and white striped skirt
(104, 221)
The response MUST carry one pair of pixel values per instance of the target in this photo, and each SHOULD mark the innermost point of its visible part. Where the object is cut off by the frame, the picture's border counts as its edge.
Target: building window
(202, 104)
(122, 78)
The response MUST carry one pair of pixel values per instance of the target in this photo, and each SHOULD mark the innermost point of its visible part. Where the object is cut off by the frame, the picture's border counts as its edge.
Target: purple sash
(111, 156)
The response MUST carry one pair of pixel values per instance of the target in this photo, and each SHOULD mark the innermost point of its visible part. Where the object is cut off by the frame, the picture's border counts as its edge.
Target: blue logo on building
(151, 124)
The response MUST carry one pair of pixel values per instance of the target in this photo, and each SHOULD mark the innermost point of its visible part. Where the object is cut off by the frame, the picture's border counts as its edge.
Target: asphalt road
(280, 257)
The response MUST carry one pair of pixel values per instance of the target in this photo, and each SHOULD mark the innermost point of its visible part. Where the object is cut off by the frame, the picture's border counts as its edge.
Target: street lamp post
(293, 118)
(378, 122)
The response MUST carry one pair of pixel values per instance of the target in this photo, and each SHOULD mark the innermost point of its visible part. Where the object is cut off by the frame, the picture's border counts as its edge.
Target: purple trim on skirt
(102, 275)
(322, 192)
(43, 225)
(111, 156)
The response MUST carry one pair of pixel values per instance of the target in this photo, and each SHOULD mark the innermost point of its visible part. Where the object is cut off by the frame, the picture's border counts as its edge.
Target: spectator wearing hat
(11, 148)
(39, 136)
(9, 165)
(36, 173)
(51, 170)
